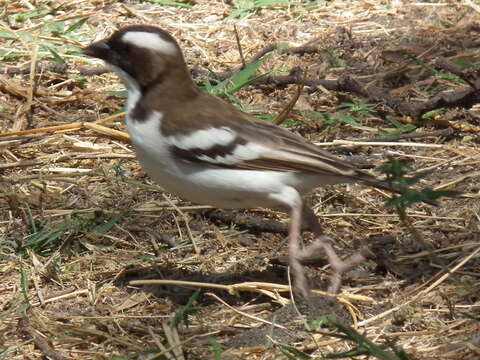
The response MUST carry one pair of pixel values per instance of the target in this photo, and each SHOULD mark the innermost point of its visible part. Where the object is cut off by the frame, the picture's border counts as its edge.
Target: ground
(80, 220)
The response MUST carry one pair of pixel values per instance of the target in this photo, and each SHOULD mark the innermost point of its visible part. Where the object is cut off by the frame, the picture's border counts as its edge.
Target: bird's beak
(99, 49)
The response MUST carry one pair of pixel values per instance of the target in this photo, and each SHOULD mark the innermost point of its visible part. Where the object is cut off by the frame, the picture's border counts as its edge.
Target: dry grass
(79, 218)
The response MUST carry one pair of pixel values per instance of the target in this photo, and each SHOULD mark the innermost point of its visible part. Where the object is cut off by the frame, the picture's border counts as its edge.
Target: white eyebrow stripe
(204, 139)
(150, 40)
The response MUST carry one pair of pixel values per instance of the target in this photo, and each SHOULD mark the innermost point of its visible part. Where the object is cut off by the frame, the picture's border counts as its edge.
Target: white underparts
(146, 131)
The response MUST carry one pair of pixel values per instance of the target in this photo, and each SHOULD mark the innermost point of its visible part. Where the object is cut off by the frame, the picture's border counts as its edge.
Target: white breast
(145, 135)
(152, 149)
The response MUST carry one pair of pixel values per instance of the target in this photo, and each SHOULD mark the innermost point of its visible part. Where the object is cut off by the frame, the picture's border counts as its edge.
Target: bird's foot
(301, 288)
(323, 244)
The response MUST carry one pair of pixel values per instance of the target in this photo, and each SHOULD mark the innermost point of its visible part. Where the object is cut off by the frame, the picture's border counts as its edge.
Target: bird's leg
(300, 283)
(322, 242)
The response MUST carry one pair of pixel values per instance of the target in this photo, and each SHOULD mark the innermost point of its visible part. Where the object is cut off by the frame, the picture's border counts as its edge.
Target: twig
(185, 220)
(243, 221)
(88, 71)
(164, 238)
(171, 339)
(57, 158)
(471, 78)
(288, 108)
(187, 340)
(474, 6)
(305, 49)
(423, 292)
(39, 340)
(264, 51)
(60, 297)
(382, 143)
(134, 13)
(239, 46)
(407, 222)
(245, 314)
(43, 66)
(414, 135)
(472, 174)
(116, 134)
(71, 127)
(24, 112)
(268, 289)
(164, 351)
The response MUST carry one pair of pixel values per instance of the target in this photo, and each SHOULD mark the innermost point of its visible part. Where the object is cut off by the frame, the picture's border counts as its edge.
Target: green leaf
(47, 238)
(472, 316)
(431, 114)
(348, 119)
(103, 228)
(55, 28)
(31, 219)
(397, 178)
(400, 128)
(8, 34)
(292, 353)
(76, 26)
(334, 59)
(42, 240)
(332, 120)
(56, 57)
(394, 169)
(363, 345)
(359, 109)
(412, 196)
(117, 93)
(318, 322)
(31, 15)
(245, 7)
(243, 78)
(463, 63)
(432, 70)
(182, 314)
(216, 349)
(7, 55)
(79, 79)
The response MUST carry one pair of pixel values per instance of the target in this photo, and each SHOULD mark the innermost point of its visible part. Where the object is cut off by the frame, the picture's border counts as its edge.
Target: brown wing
(253, 145)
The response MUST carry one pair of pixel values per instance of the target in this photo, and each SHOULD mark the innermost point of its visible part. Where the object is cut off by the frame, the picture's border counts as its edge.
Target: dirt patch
(294, 319)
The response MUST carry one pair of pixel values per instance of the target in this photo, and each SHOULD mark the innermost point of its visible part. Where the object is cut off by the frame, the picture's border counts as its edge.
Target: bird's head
(141, 55)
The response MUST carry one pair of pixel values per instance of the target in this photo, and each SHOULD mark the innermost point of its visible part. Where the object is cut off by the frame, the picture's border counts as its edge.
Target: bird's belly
(223, 188)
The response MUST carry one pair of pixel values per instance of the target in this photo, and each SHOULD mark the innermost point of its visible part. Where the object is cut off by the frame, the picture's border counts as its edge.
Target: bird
(206, 151)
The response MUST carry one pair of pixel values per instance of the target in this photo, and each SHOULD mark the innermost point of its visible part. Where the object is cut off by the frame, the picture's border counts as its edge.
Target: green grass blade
(24, 284)
(243, 78)
(169, 3)
(182, 314)
(56, 57)
(104, 228)
(76, 26)
(216, 349)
